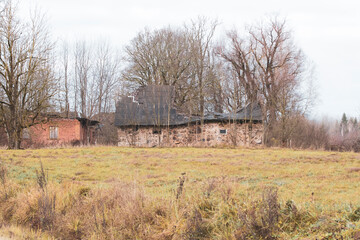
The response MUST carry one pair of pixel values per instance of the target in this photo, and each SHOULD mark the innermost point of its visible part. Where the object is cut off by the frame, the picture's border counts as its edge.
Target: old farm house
(58, 129)
(148, 119)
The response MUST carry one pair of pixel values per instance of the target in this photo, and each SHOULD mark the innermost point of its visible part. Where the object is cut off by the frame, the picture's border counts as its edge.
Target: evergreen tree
(344, 125)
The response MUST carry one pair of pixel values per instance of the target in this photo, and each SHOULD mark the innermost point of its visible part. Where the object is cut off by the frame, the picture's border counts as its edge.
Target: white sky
(327, 31)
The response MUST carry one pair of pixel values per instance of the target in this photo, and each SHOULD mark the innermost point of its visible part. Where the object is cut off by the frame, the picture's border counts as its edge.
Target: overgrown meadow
(179, 193)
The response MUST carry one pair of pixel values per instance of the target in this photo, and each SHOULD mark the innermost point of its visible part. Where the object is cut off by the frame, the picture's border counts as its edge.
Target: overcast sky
(327, 31)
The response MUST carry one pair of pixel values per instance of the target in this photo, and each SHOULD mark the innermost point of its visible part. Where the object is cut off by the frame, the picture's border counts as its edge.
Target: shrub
(355, 215)
(3, 179)
(123, 211)
(260, 221)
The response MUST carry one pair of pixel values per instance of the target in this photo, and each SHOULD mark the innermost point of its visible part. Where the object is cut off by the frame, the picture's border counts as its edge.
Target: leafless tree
(279, 67)
(65, 77)
(270, 70)
(82, 56)
(243, 85)
(90, 82)
(26, 74)
(201, 33)
(179, 57)
(106, 76)
(160, 57)
(215, 84)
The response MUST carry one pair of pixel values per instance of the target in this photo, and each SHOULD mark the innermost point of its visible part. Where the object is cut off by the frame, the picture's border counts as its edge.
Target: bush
(355, 215)
(124, 211)
(300, 132)
(260, 221)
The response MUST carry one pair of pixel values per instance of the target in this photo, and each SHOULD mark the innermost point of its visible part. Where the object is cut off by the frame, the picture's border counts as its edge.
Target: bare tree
(270, 69)
(201, 34)
(83, 63)
(243, 87)
(64, 76)
(106, 76)
(26, 74)
(160, 57)
(179, 57)
(91, 85)
(214, 88)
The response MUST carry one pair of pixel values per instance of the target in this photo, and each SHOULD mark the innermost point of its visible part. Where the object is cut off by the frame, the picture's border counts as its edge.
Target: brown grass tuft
(355, 169)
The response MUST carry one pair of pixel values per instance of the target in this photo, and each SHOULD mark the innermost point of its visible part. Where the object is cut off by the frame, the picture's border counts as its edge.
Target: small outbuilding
(58, 129)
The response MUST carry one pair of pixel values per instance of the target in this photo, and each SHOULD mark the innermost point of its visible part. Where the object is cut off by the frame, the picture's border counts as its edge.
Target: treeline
(210, 72)
(329, 134)
(345, 135)
(262, 64)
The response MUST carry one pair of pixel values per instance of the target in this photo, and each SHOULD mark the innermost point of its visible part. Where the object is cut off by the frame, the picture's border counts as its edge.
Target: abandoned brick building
(148, 119)
(58, 129)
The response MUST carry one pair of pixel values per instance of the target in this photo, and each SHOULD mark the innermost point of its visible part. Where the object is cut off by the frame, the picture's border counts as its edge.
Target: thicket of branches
(259, 64)
(89, 76)
(345, 135)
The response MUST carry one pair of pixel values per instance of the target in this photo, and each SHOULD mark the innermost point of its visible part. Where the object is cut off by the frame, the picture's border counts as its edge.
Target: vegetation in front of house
(127, 193)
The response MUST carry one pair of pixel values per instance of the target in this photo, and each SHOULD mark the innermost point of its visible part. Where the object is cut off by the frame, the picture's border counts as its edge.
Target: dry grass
(181, 193)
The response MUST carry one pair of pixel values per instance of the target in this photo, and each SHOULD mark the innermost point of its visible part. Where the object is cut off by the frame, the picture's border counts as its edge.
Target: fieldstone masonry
(208, 135)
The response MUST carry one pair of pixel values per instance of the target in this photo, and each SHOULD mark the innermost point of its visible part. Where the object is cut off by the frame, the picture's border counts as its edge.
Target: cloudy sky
(327, 31)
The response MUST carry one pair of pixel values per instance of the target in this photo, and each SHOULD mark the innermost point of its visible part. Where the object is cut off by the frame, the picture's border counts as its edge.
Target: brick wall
(211, 134)
(68, 133)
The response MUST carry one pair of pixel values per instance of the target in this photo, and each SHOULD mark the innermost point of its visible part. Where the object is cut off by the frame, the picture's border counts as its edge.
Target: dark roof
(155, 93)
(251, 112)
(69, 115)
(87, 122)
(151, 106)
(72, 115)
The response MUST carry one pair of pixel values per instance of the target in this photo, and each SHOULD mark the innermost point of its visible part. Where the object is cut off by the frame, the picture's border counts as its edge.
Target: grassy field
(324, 187)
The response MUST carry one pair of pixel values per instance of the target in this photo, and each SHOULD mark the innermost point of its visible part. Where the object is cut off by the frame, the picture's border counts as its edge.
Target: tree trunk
(18, 138)
(11, 139)
(14, 138)
(12, 130)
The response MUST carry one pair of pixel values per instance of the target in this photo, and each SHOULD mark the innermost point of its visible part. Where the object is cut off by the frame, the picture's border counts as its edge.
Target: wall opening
(54, 132)
(223, 131)
(26, 133)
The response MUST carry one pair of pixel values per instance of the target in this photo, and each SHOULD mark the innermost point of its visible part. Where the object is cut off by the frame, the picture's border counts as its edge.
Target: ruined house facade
(148, 120)
(57, 129)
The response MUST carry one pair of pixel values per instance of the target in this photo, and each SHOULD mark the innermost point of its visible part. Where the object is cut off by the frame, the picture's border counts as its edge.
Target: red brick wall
(69, 132)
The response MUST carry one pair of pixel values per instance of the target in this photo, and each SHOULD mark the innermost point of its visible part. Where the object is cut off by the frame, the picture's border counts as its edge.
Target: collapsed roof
(152, 106)
(72, 115)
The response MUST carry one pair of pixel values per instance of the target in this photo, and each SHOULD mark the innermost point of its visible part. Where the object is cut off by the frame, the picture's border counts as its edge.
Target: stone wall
(209, 135)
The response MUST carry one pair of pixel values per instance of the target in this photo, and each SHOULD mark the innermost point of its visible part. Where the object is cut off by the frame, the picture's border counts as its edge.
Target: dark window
(157, 131)
(222, 131)
(54, 132)
(198, 130)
